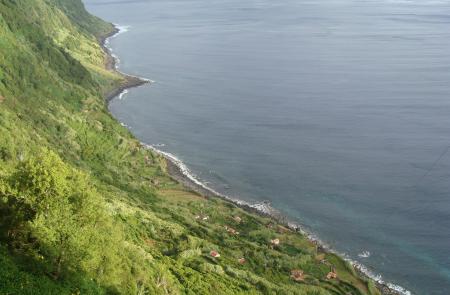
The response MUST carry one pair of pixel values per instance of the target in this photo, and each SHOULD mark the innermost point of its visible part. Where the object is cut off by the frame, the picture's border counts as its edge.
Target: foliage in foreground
(85, 209)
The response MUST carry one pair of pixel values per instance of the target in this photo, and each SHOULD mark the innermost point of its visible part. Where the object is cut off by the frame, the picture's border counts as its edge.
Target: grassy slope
(52, 78)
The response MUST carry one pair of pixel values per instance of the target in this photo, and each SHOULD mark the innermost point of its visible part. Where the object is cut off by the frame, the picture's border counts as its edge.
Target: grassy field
(86, 209)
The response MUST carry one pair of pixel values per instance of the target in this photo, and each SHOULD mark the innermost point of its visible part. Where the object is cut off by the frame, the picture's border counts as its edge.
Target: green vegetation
(85, 209)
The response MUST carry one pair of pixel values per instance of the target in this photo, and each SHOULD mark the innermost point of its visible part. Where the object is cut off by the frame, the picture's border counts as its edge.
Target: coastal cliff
(85, 208)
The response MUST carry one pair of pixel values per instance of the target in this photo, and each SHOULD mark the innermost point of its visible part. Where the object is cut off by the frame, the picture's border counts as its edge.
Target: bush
(51, 213)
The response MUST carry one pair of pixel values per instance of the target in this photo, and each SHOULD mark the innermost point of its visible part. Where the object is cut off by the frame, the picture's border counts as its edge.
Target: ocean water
(336, 111)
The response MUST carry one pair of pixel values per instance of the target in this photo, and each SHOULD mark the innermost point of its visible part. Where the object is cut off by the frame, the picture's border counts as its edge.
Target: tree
(56, 215)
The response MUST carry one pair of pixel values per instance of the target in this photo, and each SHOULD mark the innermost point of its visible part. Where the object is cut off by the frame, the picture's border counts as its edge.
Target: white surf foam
(121, 29)
(183, 168)
(123, 93)
(364, 254)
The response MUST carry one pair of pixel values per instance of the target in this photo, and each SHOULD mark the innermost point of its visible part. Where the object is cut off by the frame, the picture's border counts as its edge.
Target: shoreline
(181, 174)
(111, 64)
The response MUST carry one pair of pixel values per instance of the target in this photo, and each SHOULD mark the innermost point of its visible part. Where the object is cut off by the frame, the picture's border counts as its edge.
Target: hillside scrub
(86, 209)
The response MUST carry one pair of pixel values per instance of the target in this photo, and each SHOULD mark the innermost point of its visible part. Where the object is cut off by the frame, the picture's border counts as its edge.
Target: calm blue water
(337, 111)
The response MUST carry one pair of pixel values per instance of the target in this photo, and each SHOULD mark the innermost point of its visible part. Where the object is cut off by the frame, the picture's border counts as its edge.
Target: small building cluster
(332, 275)
(297, 275)
(231, 230)
(214, 254)
(202, 217)
(275, 242)
(237, 219)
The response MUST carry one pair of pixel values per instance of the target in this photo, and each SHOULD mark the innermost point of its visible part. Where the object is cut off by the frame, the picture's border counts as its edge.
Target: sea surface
(335, 111)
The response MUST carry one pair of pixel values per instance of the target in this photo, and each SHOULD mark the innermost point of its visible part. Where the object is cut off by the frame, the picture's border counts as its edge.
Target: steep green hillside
(85, 209)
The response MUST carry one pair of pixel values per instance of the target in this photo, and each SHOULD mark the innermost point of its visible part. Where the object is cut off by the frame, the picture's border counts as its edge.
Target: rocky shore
(129, 81)
(179, 174)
